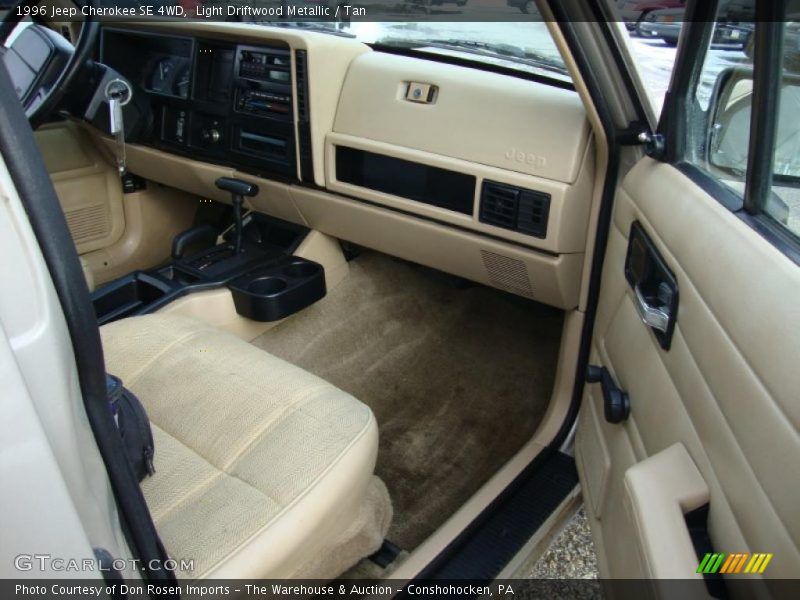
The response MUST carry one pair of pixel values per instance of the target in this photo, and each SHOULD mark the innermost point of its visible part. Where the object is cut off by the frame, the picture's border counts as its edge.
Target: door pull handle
(653, 316)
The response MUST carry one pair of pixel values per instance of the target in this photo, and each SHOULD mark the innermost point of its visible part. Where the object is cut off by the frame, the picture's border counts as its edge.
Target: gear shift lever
(238, 190)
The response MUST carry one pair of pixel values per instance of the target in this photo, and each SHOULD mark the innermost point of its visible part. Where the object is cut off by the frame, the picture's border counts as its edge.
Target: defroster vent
(514, 208)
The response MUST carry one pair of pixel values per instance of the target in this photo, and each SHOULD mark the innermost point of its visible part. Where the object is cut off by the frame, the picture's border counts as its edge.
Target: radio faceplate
(258, 102)
(263, 82)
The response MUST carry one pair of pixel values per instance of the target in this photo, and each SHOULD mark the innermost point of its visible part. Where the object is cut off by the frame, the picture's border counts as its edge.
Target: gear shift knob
(237, 186)
(238, 190)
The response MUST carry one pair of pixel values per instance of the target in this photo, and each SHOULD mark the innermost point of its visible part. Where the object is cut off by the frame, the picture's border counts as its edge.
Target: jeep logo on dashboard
(526, 158)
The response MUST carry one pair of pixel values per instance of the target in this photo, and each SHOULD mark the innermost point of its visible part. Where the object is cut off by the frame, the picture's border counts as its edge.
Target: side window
(651, 38)
(721, 114)
(724, 93)
(786, 180)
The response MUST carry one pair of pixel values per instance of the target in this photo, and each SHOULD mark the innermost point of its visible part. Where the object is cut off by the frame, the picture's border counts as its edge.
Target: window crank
(616, 403)
(118, 93)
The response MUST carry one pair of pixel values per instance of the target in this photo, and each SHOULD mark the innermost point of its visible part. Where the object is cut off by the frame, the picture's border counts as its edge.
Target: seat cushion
(259, 464)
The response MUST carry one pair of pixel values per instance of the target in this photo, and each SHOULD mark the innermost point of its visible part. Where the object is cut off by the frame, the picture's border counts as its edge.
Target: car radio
(263, 82)
(264, 66)
(263, 102)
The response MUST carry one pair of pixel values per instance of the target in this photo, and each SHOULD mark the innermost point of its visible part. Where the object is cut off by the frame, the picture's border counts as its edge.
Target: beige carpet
(457, 378)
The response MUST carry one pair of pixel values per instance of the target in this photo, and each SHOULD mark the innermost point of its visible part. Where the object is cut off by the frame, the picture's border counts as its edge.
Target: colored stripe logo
(738, 562)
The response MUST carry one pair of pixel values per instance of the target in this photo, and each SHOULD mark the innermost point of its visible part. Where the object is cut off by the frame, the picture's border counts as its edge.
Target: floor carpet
(458, 377)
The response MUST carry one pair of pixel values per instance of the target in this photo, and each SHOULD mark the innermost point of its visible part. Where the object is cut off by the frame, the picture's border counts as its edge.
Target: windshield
(522, 46)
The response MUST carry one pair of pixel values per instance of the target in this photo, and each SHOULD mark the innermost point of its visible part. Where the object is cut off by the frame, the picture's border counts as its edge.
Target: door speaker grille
(507, 273)
(88, 223)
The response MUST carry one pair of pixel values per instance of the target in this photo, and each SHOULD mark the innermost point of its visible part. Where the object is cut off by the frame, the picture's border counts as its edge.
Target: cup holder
(128, 296)
(301, 269)
(267, 286)
(279, 290)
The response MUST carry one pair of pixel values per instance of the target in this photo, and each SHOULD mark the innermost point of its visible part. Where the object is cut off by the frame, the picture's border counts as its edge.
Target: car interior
(350, 285)
(306, 213)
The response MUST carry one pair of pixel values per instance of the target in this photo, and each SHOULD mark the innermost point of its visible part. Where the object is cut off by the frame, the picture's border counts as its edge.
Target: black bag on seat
(133, 426)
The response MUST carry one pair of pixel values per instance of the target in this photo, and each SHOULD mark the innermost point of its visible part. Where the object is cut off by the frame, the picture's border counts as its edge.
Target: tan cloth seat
(263, 470)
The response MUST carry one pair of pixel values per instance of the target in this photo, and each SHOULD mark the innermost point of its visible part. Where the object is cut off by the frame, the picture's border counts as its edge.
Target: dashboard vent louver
(303, 118)
(300, 73)
(514, 208)
(499, 205)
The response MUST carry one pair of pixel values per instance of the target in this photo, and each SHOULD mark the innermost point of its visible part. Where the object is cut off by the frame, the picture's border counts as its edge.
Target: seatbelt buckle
(114, 390)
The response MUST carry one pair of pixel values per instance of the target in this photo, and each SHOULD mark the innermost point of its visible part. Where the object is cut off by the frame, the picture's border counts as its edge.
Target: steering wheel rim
(38, 113)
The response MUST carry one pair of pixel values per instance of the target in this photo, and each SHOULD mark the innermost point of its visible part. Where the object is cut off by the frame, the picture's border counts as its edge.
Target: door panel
(88, 187)
(726, 391)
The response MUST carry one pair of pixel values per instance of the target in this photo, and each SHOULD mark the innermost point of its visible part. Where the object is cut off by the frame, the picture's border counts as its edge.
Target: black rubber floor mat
(503, 529)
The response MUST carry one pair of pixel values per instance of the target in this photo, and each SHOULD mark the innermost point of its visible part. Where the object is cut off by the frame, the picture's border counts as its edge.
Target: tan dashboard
(487, 176)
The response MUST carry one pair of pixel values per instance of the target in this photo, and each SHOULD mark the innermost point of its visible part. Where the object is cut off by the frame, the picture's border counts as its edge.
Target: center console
(218, 101)
(266, 281)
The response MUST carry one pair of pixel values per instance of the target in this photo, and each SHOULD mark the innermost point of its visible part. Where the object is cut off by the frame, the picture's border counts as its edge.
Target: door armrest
(659, 491)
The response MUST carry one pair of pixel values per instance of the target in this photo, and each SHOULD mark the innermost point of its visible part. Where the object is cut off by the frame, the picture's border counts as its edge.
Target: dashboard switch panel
(215, 100)
(174, 125)
(208, 132)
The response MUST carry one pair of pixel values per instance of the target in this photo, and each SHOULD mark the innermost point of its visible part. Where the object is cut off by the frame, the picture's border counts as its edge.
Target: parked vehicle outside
(430, 5)
(666, 25)
(633, 13)
(526, 6)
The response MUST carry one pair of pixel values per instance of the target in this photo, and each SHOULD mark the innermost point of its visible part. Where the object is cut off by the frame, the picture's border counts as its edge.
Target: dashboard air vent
(300, 58)
(303, 117)
(514, 208)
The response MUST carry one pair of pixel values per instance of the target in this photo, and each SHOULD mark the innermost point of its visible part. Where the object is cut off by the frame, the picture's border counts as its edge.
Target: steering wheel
(42, 64)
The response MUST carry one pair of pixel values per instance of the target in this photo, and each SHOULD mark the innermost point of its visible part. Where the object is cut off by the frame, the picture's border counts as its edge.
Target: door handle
(653, 316)
(655, 288)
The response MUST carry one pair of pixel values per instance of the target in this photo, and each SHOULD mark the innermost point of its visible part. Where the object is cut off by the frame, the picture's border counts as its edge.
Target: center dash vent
(303, 116)
(514, 208)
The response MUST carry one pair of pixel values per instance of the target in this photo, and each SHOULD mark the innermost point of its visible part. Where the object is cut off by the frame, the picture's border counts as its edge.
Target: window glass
(719, 118)
(719, 122)
(520, 45)
(652, 37)
(727, 93)
(720, 132)
(731, 47)
(653, 33)
(785, 206)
